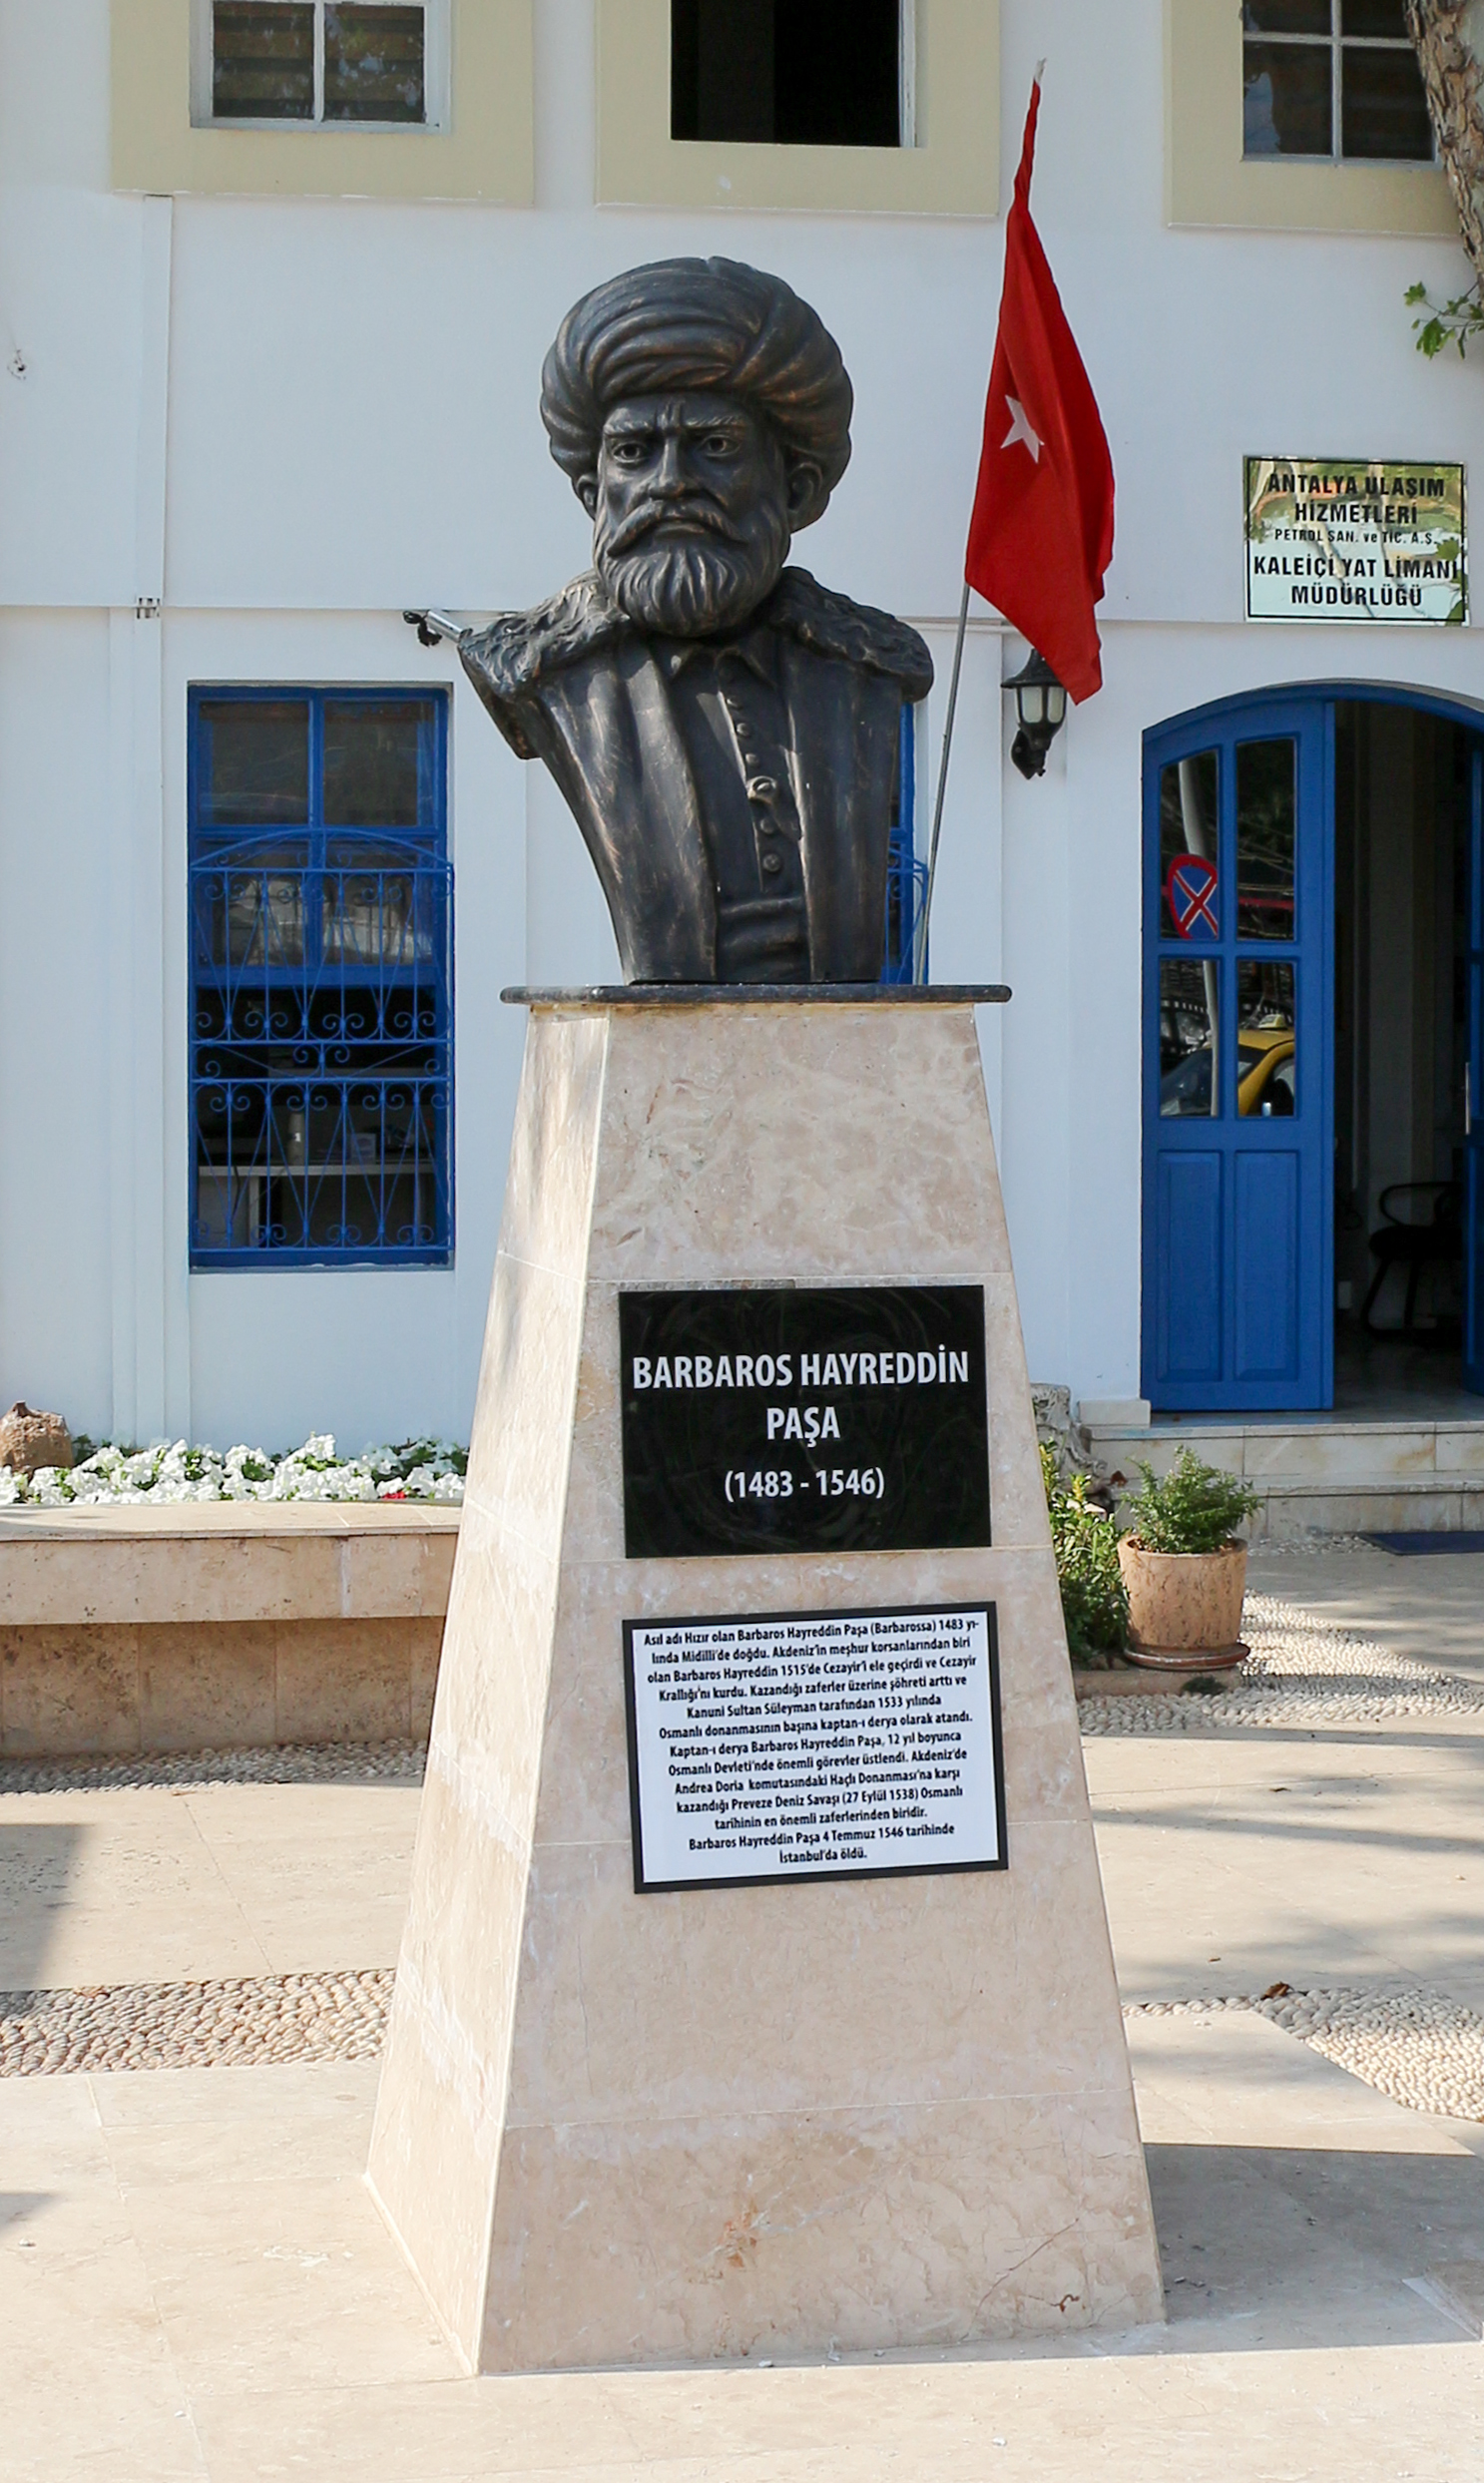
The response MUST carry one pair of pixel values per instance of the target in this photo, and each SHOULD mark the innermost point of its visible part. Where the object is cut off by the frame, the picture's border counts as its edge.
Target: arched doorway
(1313, 893)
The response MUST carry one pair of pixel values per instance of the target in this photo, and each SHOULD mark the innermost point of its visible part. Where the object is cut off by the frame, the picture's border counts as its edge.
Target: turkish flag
(1041, 536)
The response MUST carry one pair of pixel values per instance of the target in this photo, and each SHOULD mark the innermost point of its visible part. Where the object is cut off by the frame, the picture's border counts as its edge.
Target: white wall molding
(147, 1169)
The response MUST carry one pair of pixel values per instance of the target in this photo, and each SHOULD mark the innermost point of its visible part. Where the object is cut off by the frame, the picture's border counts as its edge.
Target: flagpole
(920, 962)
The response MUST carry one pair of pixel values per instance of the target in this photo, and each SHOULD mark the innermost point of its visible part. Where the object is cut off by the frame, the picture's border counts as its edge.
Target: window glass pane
(351, 1163)
(839, 73)
(256, 755)
(722, 70)
(378, 763)
(1265, 834)
(249, 911)
(373, 64)
(799, 73)
(1189, 1011)
(1374, 16)
(379, 907)
(1266, 1058)
(262, 60)
(1383, 107)
(1287, 17)
(1190, 858)
(264, 917)
(1286, 100)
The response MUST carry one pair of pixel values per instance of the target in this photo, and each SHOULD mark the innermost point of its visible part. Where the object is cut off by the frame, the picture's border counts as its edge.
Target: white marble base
(765, 2121)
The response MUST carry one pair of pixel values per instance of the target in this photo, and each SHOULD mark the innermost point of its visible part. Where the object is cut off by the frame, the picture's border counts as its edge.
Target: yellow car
(1264, 1077)
(1265, 1069)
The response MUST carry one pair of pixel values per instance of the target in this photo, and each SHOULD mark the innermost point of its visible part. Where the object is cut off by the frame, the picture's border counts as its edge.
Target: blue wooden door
(1473, 1227)
(1238, 1020)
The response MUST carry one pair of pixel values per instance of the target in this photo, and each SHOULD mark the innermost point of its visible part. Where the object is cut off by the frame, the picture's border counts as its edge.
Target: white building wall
(56, 1030)
(289, 419)
(383, 1351)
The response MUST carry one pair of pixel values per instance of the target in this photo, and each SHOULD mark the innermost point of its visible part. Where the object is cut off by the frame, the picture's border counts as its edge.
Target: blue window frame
(906, 877)
(322, 978)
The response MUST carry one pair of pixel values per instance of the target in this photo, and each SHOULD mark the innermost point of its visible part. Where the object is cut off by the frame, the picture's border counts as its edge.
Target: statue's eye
(629, 453)
(721, 444)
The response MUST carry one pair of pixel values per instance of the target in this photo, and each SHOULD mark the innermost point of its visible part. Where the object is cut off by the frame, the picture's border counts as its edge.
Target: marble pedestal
(753, 2121)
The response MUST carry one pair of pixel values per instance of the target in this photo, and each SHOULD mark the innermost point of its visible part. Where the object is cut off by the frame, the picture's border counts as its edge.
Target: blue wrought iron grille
(321, 963)
(906, 877)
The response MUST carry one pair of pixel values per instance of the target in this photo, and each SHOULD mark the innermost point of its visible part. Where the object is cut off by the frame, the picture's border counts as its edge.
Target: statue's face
(691, 512)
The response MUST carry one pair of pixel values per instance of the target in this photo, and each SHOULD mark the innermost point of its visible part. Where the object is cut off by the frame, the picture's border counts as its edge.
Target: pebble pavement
(1418, 2046)
(192, 1772)
(1301, 1670)
(243, 2019)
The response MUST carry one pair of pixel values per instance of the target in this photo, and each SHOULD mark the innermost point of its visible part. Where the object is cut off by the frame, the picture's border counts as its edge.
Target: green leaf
(1453, 323)
(1083, 1538)
(1193, 1508)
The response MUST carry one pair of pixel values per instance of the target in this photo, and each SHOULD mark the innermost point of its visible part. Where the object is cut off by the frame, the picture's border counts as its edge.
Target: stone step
(1321, 1475)
(1449, 1454)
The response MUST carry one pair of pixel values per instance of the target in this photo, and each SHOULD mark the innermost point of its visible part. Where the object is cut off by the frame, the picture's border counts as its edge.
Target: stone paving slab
(160, 1885)
(1427, 1608)
(1293, 2418)
(1313, 1860)
(194, 2281)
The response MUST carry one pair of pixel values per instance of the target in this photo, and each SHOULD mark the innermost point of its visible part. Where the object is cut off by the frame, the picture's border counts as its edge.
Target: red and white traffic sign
(1189, 891)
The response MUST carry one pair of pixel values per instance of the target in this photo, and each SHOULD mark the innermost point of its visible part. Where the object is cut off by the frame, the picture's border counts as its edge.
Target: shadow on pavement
(37, 1864)
(1314, 2246)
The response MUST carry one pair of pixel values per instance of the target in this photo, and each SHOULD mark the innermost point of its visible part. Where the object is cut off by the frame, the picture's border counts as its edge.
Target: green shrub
(1193, 1508)
(1085, 1540)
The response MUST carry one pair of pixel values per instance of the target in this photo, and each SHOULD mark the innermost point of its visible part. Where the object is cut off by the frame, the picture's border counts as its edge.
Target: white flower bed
(414, 1470)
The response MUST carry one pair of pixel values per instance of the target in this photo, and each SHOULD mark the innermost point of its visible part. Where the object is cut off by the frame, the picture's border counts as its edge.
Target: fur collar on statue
(515, 653)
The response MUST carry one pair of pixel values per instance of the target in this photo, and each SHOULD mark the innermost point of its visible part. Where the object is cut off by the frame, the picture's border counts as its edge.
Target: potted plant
(1182, 1567)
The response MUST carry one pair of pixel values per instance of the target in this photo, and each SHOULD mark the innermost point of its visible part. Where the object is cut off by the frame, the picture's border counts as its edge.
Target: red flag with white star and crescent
(1041, 536)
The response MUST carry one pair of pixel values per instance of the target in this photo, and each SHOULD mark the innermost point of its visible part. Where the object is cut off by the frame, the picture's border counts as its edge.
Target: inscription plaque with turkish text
(813, 1745)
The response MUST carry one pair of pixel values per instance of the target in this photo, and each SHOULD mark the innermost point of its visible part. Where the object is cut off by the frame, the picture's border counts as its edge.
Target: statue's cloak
(579, 686)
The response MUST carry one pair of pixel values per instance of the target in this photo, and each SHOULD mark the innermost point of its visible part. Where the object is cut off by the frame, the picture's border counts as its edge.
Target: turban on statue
(708, 325)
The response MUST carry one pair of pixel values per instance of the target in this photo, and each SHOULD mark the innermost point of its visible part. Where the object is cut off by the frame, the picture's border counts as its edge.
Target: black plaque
(804, 1419)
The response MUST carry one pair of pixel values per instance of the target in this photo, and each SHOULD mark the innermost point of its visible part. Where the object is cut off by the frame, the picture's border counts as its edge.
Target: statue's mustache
(643, 520)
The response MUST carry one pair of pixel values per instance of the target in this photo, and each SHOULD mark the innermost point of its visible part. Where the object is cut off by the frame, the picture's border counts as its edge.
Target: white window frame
(1339, 43)
(906, 84)
(436, 79)
(907, 75)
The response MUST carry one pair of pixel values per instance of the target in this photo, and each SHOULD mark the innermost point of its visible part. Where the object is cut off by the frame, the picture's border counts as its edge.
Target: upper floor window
(1332, 78)
(336, 63)
(794, 73)
(322, 978)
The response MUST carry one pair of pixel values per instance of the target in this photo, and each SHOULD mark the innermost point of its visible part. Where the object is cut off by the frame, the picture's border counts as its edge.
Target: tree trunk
(1449, 34)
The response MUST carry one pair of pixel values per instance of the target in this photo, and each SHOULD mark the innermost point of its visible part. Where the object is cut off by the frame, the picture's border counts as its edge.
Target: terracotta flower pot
(1184, 1607)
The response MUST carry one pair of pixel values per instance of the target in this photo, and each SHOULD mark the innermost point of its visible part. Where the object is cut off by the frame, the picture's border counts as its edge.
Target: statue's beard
(691, 587)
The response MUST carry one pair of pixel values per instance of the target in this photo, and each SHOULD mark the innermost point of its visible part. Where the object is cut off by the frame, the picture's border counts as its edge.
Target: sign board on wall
(1346, 539)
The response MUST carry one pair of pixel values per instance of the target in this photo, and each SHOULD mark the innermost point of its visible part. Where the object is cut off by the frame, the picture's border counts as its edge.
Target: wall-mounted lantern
(1041, 708)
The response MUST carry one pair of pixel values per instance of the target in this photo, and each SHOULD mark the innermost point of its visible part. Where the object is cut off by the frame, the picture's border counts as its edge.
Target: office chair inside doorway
(1432, 1236)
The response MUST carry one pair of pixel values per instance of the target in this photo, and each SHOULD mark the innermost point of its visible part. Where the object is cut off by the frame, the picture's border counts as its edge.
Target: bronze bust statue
(724, 730)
